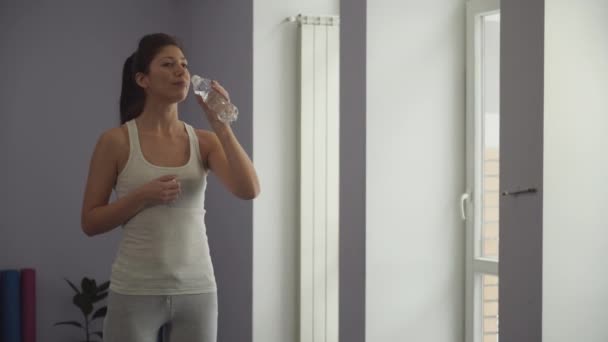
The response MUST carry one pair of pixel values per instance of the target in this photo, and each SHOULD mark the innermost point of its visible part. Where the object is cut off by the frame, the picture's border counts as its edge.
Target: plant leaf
(74, 323)
(101, 312)
(88, 286)
(99, 297)
(83, 301)
(104, 286)
(72, 285)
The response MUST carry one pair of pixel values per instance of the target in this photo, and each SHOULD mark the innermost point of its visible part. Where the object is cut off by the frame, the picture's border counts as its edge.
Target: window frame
(475, 267)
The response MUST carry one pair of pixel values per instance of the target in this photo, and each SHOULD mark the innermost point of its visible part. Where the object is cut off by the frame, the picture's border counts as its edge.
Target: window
(483, 166)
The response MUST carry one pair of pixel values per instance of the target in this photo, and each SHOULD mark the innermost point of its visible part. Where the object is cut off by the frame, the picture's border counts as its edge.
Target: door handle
(520, 192)
(465, 197)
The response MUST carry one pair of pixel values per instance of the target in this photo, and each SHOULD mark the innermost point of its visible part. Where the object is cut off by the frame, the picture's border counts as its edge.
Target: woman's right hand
(162, 190)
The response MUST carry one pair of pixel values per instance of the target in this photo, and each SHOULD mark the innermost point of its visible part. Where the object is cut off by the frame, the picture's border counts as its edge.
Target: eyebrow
(169, 57)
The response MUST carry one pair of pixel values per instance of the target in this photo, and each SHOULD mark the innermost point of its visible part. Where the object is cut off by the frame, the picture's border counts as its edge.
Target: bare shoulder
(115, 136)
(207, 142)
(113, 144)
(206, 138)
(114, 139)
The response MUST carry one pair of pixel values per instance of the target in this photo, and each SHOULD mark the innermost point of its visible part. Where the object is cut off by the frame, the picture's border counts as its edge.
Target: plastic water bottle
(226, 111)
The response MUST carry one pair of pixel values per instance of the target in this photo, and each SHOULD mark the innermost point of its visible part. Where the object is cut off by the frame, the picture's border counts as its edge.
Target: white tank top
(164, 248)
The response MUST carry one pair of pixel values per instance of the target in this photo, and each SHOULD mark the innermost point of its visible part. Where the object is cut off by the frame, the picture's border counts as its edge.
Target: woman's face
(168, 78)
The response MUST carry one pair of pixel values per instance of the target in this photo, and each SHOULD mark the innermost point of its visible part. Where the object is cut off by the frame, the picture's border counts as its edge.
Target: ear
(141, 80)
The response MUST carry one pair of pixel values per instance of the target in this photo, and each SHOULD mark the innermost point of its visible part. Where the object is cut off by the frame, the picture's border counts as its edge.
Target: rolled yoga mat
(28, 305)
(10, 301)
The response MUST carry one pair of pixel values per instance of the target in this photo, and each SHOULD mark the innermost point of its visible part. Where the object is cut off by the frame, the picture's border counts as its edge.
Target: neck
(159, 118)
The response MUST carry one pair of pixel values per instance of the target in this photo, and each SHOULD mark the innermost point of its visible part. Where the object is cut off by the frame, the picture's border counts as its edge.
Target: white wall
(415, 170)
(575, 229)
(275, 152)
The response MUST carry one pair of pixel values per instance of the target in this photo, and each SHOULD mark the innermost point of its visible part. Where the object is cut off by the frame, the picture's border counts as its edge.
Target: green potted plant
(85, 299)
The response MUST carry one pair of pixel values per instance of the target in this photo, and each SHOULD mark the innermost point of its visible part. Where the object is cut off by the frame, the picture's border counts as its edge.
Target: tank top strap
(194, 147)
(133, 138)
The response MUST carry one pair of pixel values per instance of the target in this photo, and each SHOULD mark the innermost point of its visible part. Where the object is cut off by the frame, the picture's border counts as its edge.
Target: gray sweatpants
(138, 318)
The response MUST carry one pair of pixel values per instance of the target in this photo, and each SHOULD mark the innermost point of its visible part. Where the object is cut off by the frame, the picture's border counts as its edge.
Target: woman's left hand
(212, 116)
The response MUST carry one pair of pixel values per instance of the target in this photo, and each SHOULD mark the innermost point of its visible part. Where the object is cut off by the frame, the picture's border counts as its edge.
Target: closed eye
(171, 64)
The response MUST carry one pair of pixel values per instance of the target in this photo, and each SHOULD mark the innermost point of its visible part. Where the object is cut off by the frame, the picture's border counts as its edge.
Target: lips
(180, 83)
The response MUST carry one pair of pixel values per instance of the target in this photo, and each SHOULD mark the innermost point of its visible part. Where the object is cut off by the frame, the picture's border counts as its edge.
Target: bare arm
(229, 161)
(226, 157)
(98, 216)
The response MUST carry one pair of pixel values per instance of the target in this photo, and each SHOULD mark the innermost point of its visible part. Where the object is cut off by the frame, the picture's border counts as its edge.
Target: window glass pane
(491, 135)
(489, 308)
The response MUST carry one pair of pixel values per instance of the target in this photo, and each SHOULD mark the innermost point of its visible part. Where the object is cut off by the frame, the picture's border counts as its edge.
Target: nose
(180, 70)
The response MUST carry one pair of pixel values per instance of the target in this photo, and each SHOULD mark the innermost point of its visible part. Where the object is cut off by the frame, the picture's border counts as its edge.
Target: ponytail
(132, 95)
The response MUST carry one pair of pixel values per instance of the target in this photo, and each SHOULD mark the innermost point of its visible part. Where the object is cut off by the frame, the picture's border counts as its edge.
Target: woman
(158, 165)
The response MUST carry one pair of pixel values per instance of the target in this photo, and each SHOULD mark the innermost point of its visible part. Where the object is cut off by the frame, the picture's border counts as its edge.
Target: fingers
(172, 184)
(167, 178)
(169, 181)
(201, 102)
(171, 188)
(168, 196)
(215, 85)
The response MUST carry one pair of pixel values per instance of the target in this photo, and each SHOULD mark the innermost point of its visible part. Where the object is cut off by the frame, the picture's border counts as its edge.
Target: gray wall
(59, 91)
(353, 80)
(521, 153)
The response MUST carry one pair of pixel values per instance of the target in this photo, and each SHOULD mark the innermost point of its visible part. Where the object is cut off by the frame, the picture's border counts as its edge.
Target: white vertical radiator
(319, 178)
